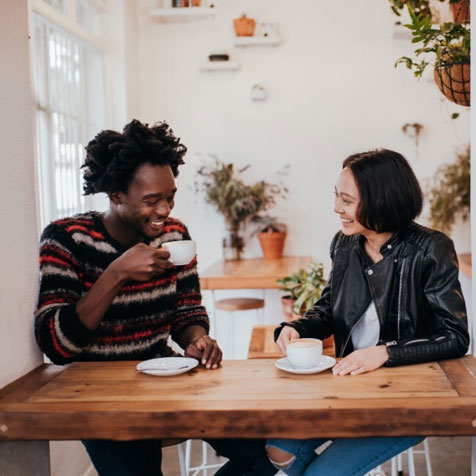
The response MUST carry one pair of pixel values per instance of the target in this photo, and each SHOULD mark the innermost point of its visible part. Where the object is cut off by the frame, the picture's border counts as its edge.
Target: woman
(393, 298)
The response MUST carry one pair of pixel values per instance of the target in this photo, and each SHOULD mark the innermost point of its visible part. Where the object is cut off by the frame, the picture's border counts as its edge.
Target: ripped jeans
(343, 457)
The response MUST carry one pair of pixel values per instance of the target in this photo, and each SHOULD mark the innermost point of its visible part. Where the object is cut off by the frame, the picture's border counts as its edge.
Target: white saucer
(167, 366)
(324, 363)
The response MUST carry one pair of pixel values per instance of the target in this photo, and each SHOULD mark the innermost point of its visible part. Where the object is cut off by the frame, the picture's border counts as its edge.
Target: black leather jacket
(416, 292)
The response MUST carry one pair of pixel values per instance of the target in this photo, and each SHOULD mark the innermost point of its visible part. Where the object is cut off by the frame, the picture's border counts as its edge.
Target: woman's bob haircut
(390, 195)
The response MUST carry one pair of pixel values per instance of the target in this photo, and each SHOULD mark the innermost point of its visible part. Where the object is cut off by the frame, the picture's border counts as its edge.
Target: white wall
(18, 240)
(333, 90)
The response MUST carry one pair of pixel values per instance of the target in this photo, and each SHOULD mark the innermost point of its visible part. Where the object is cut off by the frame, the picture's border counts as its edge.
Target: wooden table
(257, 273)
(247, 398)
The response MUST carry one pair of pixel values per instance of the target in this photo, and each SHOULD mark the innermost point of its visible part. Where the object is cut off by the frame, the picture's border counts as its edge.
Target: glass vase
(233, 245)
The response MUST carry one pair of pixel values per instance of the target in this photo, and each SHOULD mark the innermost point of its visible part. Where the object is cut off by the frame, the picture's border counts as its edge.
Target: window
(70, 102)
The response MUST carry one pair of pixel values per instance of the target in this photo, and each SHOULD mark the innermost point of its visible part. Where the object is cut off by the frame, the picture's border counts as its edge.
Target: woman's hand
(287, 333)
(361, 361)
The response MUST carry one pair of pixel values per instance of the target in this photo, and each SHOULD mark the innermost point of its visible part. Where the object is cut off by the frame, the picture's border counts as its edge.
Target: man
(109, 292)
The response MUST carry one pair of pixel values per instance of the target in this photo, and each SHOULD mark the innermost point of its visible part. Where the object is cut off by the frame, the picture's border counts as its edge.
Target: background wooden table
(257, 273)
(262, 345)
(247, 398)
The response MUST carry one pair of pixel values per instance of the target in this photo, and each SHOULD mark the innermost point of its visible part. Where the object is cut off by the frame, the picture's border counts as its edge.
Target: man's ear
(115, 198)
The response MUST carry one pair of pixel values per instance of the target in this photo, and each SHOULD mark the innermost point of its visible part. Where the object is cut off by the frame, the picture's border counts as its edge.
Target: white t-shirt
(367, 331)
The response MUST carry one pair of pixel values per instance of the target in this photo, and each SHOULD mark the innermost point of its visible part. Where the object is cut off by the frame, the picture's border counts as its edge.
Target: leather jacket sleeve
(317, 322)
(444, 300)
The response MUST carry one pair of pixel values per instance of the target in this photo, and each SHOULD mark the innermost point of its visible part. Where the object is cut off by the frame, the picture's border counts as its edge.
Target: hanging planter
(446, 47)
(454, 82)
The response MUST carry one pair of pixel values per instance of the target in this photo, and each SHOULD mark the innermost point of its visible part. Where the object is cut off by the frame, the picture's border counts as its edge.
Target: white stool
(239, 304)
(396, 462)
(184, 452)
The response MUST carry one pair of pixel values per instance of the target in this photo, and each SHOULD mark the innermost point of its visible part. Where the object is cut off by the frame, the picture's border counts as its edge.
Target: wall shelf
(181, 14)
(257, 41)
(219, 66)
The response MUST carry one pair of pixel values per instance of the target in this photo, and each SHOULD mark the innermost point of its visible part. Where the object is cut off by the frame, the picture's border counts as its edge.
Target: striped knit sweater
(74, 252)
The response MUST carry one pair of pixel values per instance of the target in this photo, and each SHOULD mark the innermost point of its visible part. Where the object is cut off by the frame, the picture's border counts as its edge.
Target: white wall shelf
(181, 14)
(220, 66)
(257, 41)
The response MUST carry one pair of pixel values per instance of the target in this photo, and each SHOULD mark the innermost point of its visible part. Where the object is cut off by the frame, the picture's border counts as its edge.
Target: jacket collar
(389, 246)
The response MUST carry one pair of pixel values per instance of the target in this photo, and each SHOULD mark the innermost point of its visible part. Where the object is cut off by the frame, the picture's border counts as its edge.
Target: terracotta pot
(244, 26)
(460, 11)
(328, 343)
(454, 82)
(272, 244)
(287, 303)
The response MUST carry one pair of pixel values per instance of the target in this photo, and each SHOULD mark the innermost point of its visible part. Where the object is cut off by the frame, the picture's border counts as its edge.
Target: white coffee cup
(304, 353)
(181, 252)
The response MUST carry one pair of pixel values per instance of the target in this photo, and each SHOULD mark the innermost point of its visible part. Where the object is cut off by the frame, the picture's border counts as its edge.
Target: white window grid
(70, 102)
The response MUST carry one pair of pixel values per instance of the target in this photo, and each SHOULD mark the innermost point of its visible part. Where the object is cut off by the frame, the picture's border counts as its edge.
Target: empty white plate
(325, 362)
(167, 366)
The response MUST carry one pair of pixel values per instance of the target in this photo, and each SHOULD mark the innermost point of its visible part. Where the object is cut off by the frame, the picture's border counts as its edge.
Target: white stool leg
(213, 324)
(188, 454)
(394, 466)
(261, 316)
(411, 462)
(231, 335)
(399, 465)
(204, 459)
(181, 455)
(427, 457)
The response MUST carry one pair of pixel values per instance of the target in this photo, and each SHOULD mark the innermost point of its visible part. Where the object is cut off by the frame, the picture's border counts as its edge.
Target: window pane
(88, 18)
(69, 84)
(59, 5)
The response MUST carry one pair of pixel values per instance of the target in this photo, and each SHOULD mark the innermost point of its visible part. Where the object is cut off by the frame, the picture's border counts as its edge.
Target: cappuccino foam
(303, 343)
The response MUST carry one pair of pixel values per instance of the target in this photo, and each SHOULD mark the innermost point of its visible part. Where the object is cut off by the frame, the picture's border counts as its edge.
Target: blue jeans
(344, 457)
(143, 457)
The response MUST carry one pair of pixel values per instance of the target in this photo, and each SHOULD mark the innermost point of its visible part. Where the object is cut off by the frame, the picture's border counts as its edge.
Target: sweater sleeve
(189, 310)
(445, 303)
(58, 330)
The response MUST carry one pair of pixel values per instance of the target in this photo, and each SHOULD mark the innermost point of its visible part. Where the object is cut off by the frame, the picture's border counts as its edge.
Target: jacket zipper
(400, 294)
(416, 340)
(350, 333)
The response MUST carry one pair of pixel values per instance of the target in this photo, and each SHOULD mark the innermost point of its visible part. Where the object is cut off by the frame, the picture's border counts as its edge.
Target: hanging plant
(449, 196)
(445, 47)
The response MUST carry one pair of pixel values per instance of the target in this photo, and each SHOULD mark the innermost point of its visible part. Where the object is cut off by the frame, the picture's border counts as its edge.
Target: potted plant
(237, 201)
(449, 196)
(271, 235)
(244, 26)
(445, 47)
(303, 288)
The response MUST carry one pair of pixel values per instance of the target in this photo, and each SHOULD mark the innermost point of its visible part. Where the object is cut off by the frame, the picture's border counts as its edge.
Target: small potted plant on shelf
(244, 26)
(271, 235)
(449, 196)
(238, 202)
(445, 47)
